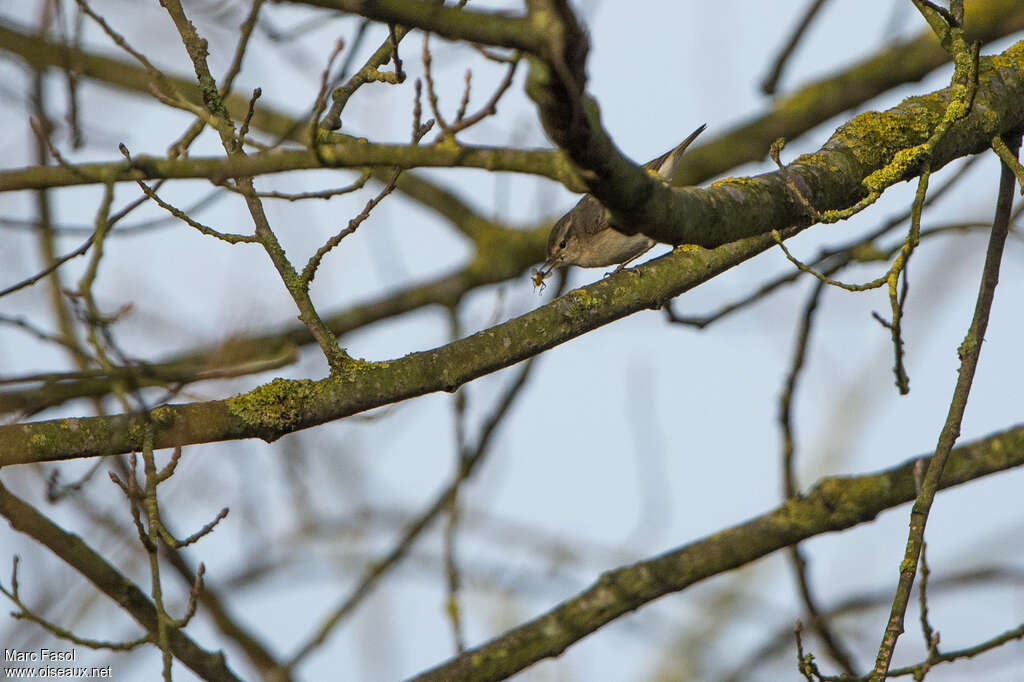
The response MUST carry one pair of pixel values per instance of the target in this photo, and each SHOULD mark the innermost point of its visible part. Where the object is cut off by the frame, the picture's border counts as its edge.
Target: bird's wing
(666, 164)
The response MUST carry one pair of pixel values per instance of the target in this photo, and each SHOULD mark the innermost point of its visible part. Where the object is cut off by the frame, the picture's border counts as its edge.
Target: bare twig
(833, 645)
(52, 267)
(969, 352)
(770, 81)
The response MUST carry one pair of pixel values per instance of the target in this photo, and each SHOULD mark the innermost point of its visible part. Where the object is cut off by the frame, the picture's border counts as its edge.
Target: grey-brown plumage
(584, 237)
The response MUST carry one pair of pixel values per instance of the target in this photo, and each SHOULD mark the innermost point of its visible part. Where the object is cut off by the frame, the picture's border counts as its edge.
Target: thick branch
(282, 406)
(724, 213)
(794, 113)
(728, 210)
(832, 178)
(834, 504)
(512, 252)
(788, 116)
(503, 255)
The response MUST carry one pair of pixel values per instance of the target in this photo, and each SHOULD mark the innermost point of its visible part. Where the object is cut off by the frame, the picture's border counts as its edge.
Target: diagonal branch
(969, 351)
(866, 152)
(834, 504)
(284, 406)
(509, 252)
(734, 213)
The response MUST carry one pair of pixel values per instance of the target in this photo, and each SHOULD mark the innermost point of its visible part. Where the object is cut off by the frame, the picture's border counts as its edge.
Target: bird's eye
(562, 245)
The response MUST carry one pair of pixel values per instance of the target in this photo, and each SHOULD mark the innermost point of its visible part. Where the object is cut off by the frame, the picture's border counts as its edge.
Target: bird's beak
(542, 273)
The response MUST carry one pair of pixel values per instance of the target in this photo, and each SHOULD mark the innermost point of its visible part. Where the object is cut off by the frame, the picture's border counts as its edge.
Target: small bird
(583, 236)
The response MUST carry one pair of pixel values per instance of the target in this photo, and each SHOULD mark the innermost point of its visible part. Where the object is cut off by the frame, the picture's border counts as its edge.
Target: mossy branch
(833, 504)
(282, 406)
(832, 178)
(738, 214)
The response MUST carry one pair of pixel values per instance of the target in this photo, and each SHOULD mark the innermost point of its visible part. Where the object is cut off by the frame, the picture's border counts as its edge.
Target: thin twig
(184, 217)
(828, 262)
(770, 81)
(29, 281)
(969, 352)
(833, 645)
(453, 578)
(25, 613)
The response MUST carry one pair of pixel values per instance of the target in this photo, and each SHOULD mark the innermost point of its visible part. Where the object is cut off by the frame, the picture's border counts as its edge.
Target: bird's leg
(623, 264)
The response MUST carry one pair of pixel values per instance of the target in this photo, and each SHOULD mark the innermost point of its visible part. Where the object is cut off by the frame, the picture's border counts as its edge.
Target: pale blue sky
(636, 438)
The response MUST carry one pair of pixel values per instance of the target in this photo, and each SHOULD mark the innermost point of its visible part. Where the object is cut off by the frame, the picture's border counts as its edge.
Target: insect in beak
(539, 275)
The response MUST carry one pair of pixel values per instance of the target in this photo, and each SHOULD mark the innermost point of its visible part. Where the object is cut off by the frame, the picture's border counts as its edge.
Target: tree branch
(834, 504)
(859, 154)
(864, 153)
(345, 152)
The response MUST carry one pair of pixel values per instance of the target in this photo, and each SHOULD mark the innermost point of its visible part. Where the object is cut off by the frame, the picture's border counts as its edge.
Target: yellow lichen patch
(448, 143)
(576, 303)
(583, 298)
(897, 169)
(354, 366)
(276, 406)
(162, 415)
(817, 159)
(874, 137)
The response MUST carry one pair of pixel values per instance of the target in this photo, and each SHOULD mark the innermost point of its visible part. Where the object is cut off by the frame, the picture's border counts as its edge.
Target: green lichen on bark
(279, 406)
(49, 440)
